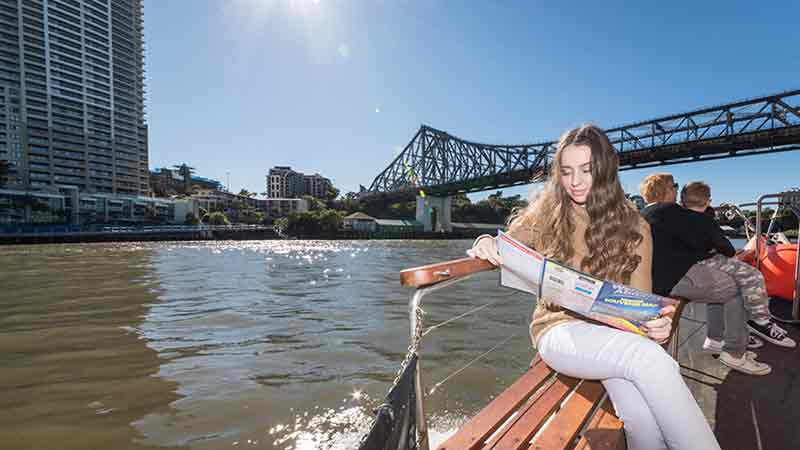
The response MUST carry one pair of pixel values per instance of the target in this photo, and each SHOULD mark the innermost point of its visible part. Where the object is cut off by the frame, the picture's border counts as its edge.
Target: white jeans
(642, 380)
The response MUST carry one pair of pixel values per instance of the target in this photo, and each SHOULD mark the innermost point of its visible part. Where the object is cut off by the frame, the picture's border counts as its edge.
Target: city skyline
(339, 88)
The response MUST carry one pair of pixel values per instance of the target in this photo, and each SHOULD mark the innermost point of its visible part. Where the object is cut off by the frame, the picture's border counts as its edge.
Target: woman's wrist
(477, 239)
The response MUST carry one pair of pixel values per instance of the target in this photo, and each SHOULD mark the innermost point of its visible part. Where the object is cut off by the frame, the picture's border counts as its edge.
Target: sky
(339, 87)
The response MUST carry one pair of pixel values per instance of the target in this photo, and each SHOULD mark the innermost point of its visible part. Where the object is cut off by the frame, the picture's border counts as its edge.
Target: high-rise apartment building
(72, 95)
(283, 182)
(316, 185)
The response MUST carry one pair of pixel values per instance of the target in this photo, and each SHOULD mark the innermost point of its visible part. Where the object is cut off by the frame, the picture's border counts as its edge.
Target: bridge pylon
(434, 213)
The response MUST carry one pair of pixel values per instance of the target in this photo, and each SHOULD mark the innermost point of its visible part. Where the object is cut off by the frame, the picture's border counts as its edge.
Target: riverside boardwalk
(745, 412)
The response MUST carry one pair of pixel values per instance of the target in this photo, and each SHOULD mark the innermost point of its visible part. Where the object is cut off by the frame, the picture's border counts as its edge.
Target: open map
(617, 305)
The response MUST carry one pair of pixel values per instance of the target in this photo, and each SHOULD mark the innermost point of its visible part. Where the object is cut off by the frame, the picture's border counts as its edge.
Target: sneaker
(772, 333)
(754, 342)
(715, 347)
(746, 364)
(712, 346)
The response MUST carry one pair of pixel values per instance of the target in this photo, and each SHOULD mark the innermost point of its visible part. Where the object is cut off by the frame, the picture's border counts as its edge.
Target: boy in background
(696, 197)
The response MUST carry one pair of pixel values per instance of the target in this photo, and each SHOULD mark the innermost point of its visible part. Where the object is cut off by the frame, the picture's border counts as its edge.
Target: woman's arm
(485, 246)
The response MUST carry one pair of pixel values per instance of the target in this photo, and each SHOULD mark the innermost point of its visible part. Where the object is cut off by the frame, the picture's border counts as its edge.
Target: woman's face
(576, 172)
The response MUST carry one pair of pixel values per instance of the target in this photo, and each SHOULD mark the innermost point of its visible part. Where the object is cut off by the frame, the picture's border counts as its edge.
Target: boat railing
(789, 200)
(425, 280)
(792, 200)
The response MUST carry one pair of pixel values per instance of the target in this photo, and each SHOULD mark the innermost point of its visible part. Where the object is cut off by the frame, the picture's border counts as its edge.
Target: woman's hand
(486, 248)
(659, 329)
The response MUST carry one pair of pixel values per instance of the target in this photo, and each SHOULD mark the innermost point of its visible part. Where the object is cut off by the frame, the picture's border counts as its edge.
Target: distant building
(281, 207)
(71, 206)
(167, 182)
(398, 225)
(316, 186)
(283, 182)
(273, 208)
(792, 196)
(358, 221)
(212, 200)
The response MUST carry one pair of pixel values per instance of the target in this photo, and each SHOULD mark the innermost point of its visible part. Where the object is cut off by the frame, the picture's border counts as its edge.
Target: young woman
(583, 218)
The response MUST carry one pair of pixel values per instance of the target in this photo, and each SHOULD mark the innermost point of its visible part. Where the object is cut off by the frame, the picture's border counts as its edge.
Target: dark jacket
(681, 238)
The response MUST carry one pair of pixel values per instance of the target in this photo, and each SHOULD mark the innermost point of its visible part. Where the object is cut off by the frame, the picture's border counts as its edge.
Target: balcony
(71, 155)
(39, 176)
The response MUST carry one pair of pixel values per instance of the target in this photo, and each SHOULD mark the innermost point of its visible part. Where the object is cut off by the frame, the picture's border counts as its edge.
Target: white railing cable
(471, 311)
(478, 358)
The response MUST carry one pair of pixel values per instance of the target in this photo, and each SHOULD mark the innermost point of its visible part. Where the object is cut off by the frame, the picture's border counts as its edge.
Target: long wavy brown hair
(612, 234)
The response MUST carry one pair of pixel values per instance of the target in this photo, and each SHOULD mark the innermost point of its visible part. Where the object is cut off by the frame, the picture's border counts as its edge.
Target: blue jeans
(642, 380)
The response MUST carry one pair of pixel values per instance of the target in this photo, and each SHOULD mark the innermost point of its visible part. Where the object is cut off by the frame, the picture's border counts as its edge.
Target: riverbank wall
(67, 235)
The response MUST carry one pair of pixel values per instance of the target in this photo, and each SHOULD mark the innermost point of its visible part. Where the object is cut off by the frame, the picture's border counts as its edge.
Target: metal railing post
(796, 300)
(422, 424)
(758, 231)
(796, 296)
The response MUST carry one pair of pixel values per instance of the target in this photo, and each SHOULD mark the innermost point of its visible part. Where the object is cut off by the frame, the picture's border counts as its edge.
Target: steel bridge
(441, 165)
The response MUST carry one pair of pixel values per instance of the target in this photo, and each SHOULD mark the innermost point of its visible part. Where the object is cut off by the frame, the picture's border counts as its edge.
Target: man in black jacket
(681, 240)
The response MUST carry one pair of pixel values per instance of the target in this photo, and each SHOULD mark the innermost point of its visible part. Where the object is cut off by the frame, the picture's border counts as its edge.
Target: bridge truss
(441, 164)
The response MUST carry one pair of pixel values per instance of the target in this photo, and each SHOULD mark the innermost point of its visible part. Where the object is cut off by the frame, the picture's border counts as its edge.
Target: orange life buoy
(778, 263)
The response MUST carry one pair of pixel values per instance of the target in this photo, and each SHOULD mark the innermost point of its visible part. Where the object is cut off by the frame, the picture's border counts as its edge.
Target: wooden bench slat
(604, 432)
(561, 432)
(535, 414)
(473, 433)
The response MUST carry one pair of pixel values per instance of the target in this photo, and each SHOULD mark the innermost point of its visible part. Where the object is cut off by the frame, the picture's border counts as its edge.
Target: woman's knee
(653, 360)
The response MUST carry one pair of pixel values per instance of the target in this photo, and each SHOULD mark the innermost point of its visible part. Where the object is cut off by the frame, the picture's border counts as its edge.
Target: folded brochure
(614, 304)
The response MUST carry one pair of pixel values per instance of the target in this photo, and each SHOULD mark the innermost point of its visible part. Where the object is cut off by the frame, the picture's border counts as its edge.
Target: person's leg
(715, 328)
(635, 414)
(705, 284)
(750, 282)
(715, 321)
(756, 300)
(585, 350)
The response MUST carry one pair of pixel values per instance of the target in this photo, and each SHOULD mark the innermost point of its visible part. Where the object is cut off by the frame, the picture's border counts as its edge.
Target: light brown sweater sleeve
(524, 233)
(642, 277)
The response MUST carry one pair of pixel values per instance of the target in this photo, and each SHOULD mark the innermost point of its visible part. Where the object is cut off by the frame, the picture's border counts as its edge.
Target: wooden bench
(542, 410)
(533, 414)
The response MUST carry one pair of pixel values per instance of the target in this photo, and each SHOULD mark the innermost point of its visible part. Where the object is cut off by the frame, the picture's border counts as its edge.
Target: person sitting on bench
(583, 219)
(696, 197)
(681, 240)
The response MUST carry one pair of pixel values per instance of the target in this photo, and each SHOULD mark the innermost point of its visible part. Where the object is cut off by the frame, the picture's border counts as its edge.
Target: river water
(259, 344)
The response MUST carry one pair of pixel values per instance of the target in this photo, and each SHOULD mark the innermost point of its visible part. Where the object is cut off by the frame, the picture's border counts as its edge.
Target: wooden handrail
(449, 270)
